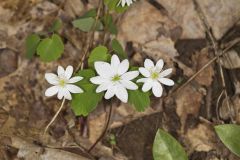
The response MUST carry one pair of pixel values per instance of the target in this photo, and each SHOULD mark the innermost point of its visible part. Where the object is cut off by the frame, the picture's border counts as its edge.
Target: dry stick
(195, 75)
(104, 131)
(215, 47)
(91, 35)
(55, 116)
(231, 44)
(218, 101)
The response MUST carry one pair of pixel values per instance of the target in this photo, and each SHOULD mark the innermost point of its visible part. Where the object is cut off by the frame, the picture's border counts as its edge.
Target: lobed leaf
(84, 103)
(31, 43)
(50, 49)
(139, 99)
(99, 53)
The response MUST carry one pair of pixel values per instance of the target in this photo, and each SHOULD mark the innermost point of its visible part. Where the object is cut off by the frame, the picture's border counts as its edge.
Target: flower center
(154, 75)
(62, 82)
(116, 78)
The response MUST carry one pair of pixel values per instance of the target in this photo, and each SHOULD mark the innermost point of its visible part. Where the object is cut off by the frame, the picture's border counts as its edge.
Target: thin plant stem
(91, 35)
(55, 116)
(104, 131)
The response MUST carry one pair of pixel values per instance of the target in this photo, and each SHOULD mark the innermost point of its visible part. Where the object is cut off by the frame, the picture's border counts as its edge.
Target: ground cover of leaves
(169, 29)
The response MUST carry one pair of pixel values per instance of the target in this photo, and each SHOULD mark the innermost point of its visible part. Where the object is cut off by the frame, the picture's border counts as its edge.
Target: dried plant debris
(172, 30)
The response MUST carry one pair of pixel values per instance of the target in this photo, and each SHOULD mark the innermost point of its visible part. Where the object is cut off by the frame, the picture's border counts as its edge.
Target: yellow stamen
(62, 82)
(154, 75)
(116, 78)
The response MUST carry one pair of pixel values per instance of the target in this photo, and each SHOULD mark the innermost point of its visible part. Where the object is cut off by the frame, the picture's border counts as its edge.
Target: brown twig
(104, 131)
(230, 45)
(91, 35)
(216, 51)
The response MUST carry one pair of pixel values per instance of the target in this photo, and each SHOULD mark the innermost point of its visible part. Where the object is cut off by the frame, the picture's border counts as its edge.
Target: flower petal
(110, 93)
(67, 95)
(103, 69)
(51, 78)
(69, 72)
(148, 64)
(130, 75)
(98, 80)
(165, 72)
(129, 85)
(142, 80)
(129, 2)
(103, 87)
(51, 91)
(122, 93)
(157, 89)
(115, 62)
(60, 70)
(159, 65)
(144, 72)
(60, 93)
(73, 88)
(75, 79)
(166, 81)
(123, 3)
(123, 67)
(147, 86)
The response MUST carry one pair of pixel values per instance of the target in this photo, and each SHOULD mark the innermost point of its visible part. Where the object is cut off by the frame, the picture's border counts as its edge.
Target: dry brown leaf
(230, 60)
(234, 103)
(135, 27)
(96, 126)
(221, 15)
(161, 48)
(8, 62)
(200, 138)
(155, 39)
(74, 8)
(199, 60)
(30, 151)
(188, 102)
(185, 15)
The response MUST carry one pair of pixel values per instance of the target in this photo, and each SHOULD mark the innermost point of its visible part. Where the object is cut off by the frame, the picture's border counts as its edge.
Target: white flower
(114, 78)
(123, 2)
(154, 77)
(62, 83)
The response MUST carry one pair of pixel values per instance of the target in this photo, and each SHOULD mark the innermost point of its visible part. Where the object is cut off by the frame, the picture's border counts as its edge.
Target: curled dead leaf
(230, 60)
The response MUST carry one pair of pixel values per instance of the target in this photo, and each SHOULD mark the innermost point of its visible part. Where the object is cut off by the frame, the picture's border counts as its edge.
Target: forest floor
(187, 34)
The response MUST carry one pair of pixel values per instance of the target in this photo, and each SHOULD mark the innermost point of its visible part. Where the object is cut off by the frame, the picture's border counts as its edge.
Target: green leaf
(32, 42)
(99, 53)
(86, 24)
(87, 21)
(57, 24)
(116, 46)
(230, 136)
(50, 49)
(84, 103)
(165, 147)
(114, 5)
(139, 99)
(90, 13)
(111, 27)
